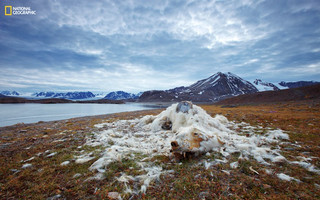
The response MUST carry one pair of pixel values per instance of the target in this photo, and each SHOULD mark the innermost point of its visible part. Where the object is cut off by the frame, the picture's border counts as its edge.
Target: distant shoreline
(18, 100)
(127, 114)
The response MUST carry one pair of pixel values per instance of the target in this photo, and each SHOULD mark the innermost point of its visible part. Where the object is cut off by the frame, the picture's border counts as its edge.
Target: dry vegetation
(46, 145)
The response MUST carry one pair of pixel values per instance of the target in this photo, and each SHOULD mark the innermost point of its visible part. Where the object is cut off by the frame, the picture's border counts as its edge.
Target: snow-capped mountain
(66, 95)
(297, 84)
(265, 86)
(10, 93)
(121, 95)
(100, 94)
(211, 89)
(44, 94)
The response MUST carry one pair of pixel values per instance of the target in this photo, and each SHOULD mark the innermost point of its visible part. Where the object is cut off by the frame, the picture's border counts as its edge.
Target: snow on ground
(182, 128)
(285, 177)
(27, 165)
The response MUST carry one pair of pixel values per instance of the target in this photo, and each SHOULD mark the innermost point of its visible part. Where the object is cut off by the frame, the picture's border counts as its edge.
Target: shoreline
(23, 113)
(86, 118)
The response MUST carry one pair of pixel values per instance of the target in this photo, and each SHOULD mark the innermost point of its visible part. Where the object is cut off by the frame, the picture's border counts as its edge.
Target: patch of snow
(98, 176)
(275, 135)
(101, 125)
(268, 171)
(51, 154)
(65, 163)
(84, 158)
(27, 165)
(280, 86)
(207, 165)
(29, 159)
(234, 165)
(307, 166)
(60, 140)
(285, 177)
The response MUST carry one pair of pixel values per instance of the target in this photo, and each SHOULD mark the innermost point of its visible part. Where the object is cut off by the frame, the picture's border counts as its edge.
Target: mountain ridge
(291, 94)
(217, 86)
(214, 88)
(121, 95)
(297, 84)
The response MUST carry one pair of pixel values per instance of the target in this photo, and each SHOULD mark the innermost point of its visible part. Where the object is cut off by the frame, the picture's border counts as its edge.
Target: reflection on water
(29, 113)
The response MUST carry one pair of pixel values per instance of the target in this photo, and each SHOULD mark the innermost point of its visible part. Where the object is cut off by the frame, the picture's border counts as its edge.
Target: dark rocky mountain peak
(216, 87)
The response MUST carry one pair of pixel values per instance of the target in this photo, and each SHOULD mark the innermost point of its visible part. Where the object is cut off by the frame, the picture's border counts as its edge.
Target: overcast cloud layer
(142, 45)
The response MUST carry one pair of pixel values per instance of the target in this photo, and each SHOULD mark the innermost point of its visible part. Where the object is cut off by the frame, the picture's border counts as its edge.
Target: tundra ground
(38, 160)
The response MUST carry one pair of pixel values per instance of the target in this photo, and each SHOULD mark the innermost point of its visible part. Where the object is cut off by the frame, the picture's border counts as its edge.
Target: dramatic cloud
(141, 45)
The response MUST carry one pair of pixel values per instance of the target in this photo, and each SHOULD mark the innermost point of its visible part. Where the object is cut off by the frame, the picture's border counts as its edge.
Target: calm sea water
(30, 113)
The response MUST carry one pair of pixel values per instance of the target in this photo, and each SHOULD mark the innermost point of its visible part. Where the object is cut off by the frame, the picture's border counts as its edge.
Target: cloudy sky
(138, 45)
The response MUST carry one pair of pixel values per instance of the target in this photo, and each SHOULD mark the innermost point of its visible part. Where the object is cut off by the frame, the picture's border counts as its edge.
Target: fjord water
(30, 113)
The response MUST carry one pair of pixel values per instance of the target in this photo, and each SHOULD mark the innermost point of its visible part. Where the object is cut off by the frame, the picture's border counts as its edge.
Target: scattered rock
(266, 186)
(114, 195)
(58, 196)
(289, 148)
(197, 176)
(204, 195)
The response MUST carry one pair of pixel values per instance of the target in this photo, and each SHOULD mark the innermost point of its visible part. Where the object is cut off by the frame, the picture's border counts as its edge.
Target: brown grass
(47, 178)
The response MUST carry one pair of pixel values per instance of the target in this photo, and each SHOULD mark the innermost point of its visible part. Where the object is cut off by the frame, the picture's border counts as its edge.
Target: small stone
(266, 186)
(204, 195)
(289, 148)
(58, 196)
(113, 195)
(197, 176)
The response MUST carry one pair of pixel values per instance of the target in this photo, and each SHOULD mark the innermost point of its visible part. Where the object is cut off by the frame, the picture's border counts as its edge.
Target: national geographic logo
(10, 10)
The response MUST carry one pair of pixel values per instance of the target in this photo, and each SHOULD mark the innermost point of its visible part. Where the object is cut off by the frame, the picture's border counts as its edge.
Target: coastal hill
(293, 94)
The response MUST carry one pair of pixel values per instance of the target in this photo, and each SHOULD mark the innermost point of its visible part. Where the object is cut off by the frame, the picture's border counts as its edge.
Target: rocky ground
(38, 161)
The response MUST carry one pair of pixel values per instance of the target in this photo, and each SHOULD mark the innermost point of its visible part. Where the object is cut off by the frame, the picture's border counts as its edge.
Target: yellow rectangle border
(5, 10)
